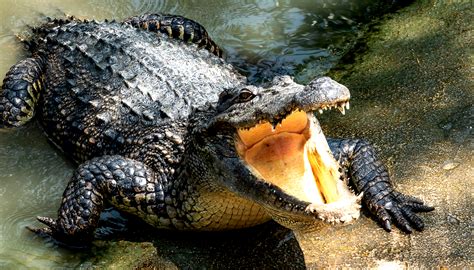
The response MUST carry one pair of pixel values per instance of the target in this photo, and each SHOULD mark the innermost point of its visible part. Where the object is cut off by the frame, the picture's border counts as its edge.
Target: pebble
(452, 219)
(450, 165)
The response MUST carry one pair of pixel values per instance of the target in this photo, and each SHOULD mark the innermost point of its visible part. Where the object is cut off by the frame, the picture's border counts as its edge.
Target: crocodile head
(268, 146)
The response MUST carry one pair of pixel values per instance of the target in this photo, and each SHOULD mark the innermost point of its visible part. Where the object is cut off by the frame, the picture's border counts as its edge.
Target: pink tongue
(282, 160)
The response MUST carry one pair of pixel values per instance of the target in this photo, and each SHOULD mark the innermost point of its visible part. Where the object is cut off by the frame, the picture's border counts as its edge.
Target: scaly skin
(20, 92)
(151, 115)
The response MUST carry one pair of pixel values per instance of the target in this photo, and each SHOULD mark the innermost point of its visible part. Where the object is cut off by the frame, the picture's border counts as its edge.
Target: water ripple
(125, 8)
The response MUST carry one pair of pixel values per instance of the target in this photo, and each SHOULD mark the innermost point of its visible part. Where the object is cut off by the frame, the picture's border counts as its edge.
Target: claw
(51, 223)
(40, 231)
(413, 219)
(386, 225)
(416, 204)
(47, 231)
(412, 199)
(399, 218)
(51, 235)
(384, 218)
(422, 208)
(407, 228)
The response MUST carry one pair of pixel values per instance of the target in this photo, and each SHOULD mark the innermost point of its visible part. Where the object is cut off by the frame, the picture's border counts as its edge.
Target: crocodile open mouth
(295, 156)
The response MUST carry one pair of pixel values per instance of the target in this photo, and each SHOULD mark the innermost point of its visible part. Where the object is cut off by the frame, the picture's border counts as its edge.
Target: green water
(301, 38)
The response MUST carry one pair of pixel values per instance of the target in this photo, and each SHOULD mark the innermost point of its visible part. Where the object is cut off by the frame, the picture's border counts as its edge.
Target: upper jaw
(275, 103)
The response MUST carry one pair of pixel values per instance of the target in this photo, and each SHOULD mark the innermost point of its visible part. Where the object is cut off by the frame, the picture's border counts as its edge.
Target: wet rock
(452, 219)
(449, 165)
(459, 126)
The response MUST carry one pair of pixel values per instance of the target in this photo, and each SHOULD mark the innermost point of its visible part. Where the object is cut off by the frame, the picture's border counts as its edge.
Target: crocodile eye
(245, 95)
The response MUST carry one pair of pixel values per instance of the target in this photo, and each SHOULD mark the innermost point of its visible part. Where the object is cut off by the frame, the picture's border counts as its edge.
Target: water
(301, 38)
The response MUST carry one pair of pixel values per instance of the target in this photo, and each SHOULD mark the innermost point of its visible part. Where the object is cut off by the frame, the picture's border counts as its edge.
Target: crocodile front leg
(370, 176)
(20, 92)
(124, 183)
(177, 27)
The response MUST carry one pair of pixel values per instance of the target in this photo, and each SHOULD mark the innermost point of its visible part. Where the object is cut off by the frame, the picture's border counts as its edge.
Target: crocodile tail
(176, 27)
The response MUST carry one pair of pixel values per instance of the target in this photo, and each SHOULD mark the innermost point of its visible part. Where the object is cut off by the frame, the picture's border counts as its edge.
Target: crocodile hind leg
(177, 27)
(108, 180)
(370, 176)
(20, 92)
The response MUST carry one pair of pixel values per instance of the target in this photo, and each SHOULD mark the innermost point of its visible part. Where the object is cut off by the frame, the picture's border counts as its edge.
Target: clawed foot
(47, 231)
(52, 232)
(399, 209)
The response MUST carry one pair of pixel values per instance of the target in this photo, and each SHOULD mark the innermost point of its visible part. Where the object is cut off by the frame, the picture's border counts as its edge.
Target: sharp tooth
(274, 125)
(347, 105)
(342, 110)
(320, 111)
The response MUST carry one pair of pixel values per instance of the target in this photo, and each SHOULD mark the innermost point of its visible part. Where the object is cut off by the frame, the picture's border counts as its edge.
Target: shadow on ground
(268, 246)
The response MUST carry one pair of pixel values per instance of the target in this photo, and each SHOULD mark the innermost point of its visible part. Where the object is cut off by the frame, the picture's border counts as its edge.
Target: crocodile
(163, 128)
